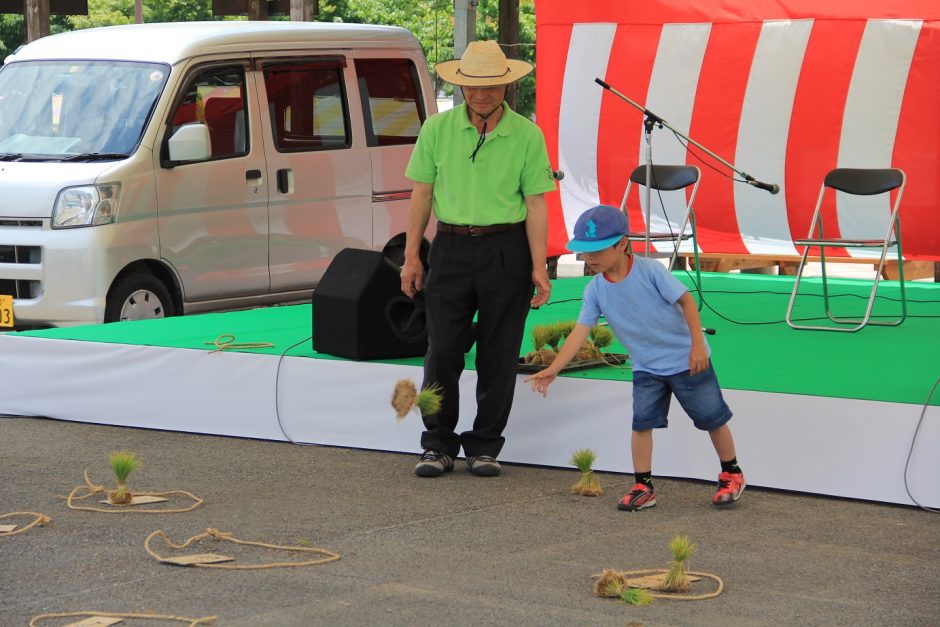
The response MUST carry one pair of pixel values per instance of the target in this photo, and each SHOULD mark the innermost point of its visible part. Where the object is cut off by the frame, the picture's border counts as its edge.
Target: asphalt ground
(518, 549)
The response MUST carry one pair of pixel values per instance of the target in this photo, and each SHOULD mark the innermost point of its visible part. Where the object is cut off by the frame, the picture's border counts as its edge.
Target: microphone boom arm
(652, 118)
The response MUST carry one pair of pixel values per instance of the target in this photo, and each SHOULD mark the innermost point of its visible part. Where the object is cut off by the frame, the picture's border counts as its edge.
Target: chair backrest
(864, 181)
(666, 177)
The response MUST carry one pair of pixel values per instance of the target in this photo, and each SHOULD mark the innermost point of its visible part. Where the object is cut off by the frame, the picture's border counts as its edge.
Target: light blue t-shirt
(643, 312)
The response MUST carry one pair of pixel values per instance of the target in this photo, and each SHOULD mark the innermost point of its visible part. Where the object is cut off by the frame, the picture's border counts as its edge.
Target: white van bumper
(59, 277)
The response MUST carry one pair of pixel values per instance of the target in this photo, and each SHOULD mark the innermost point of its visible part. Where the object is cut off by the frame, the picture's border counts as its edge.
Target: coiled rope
(92, 489)
(40, 519)
(215, 534)
(205, 620)
(226, 341)
(676, 596)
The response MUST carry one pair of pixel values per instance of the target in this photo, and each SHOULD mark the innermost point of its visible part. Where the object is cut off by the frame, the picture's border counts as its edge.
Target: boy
(656, 318)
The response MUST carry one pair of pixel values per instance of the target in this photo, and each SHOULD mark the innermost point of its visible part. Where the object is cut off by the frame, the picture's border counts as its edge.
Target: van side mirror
(190, 142)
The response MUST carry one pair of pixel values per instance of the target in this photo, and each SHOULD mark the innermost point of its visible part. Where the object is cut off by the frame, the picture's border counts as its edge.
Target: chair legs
(689, 219)
(854, 182)
(850, 324)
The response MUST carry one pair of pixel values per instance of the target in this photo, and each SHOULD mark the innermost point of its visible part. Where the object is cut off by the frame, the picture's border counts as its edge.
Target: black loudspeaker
(360, 312)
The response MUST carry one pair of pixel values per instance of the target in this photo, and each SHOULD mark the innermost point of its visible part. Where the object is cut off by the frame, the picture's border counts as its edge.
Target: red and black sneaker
(639, 497)
(730, 487)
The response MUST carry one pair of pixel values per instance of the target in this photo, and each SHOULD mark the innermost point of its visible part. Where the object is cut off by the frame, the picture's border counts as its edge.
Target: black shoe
(433, 464)
(483, 466)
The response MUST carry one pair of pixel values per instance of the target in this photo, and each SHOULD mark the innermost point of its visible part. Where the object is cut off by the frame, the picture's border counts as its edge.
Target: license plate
(6, 310)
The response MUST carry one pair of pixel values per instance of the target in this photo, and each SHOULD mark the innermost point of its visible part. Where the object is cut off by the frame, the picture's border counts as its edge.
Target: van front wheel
(138, 296)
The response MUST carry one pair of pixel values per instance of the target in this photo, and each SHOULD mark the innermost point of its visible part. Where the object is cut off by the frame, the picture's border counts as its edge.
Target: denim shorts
(699, 395)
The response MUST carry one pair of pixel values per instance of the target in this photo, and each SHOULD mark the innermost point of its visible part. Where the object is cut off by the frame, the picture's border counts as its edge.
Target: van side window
(307, 104)
(391, 100)
(216, 97)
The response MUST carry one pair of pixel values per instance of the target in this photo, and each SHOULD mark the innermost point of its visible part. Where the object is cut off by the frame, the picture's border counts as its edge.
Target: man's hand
(536, 230)
(412, 277)
(419, 212)
(543, 287)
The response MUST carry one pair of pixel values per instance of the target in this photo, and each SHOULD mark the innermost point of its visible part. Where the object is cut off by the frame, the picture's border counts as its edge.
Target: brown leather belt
(477, 231)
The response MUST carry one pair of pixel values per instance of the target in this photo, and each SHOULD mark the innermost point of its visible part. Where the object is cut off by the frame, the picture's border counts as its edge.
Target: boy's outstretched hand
(541, 380)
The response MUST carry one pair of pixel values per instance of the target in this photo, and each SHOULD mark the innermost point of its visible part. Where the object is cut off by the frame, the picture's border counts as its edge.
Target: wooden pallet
(787, 264)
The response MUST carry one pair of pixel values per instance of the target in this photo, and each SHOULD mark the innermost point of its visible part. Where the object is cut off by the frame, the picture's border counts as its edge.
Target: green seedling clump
(677, 579)
(406, 398)
(123, 463)
(636, 596)
(588, 485)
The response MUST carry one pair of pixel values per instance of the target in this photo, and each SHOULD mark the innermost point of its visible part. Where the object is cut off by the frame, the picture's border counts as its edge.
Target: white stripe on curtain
(762, 135)
(579, 117)
(869, 126)
(671, 96)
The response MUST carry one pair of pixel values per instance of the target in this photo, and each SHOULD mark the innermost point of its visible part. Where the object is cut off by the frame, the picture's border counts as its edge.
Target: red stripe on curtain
(683, 11)
(915, 149)
(816, 124)
(550, 57)
(715, 122)
(621, 124)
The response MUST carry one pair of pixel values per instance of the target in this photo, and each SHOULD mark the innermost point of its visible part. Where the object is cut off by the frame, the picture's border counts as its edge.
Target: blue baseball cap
(598, 228)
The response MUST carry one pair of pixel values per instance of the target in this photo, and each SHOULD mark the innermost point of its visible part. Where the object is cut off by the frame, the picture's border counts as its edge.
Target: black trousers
(489, 276)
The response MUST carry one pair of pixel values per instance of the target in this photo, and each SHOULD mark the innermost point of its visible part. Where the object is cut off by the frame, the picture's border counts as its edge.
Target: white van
(159, 169)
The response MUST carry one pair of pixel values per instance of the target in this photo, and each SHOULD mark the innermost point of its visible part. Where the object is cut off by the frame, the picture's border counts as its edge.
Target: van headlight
(88, 205)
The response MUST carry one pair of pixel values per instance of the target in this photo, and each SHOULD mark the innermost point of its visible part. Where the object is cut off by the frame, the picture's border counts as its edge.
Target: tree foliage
(432, 23)
(112, 12)
(13, 30)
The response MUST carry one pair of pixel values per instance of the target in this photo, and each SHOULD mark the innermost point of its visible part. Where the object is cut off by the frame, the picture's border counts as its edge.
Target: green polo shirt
(511, 164)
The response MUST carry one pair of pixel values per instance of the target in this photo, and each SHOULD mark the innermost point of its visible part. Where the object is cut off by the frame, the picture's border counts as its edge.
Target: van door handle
(253, 176)
(285, 181)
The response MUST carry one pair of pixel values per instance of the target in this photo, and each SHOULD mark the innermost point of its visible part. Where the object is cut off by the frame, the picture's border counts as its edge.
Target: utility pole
(37, 19)
(509, 40)
(465, 31)
(304, 10)
(258, 10)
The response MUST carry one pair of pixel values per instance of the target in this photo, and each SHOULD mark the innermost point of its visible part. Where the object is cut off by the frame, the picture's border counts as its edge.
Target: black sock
(731, 466)
(646, 478)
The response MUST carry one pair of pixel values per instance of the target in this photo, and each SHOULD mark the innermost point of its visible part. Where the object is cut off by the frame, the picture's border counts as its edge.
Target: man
(484, 170)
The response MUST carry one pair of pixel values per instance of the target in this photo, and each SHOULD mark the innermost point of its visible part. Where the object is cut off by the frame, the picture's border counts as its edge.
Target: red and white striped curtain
(786, 90)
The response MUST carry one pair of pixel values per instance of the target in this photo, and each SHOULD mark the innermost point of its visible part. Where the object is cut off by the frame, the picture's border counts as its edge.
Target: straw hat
(483, 64)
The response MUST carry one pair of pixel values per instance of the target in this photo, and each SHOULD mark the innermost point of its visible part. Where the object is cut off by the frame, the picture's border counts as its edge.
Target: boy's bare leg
(641, 445)
(723, 442)
(641, 496)
(731, 480)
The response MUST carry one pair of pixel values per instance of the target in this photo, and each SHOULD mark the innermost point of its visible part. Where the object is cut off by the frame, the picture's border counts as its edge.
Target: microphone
(708, 331)
(558, 175)
(773, 188)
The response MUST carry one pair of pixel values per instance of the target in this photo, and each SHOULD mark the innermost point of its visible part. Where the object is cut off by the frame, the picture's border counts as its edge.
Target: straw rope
(614, 363)
(226, 341)
(220, 535)
(92, 489)
(205, 620)
(673, 595)
(41, 519)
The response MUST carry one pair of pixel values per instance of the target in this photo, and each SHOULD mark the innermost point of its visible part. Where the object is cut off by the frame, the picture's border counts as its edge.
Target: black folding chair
(667, 178)
(856, 182)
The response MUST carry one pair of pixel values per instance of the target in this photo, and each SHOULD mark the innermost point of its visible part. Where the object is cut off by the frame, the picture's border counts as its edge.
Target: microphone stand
(649, 121)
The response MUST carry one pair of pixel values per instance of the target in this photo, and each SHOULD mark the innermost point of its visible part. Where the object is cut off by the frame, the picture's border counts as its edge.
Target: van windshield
(76, 110)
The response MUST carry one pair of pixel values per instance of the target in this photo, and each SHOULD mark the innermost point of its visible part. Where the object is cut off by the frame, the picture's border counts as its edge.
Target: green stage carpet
(752, 350)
